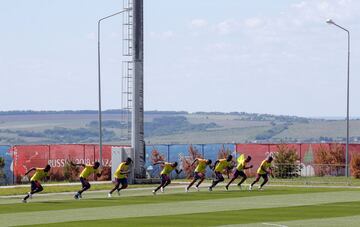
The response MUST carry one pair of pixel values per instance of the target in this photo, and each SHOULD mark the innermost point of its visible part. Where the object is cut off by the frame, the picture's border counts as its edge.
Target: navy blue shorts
(238, 173)
(219, 176)
(122, 181)
(84, 182)
(35, 185)
(164, 178)
(198, 175)
(264, 176)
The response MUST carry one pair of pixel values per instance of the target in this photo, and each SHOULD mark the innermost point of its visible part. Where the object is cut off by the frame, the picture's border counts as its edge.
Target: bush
(188, 160)
(71, 172)
(355, 165)
(156, 156)
(105, 174)
(286, 162)
(330, 160)
(2, 173)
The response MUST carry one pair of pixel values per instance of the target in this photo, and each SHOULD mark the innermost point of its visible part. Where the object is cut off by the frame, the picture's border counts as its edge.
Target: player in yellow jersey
(87, 171)
(239, 171)
(121, 175)
(219, 167)
(36, 187)
(199, 173)
(165, 174)
(263, 171)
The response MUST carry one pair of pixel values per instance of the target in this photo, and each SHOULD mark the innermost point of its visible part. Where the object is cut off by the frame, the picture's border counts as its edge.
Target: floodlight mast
(137, 118)
(331, 22)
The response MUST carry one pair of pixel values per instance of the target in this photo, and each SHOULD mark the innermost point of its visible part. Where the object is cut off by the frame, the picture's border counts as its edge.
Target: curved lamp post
(99, 80)
(331, 22)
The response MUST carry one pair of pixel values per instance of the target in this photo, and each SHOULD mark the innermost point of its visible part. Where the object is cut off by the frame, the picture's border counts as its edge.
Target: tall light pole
(329, 21)
(99, 82)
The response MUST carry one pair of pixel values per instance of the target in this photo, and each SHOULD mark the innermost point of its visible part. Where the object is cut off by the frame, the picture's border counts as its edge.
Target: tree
(330, 160)
(286, 162)
(2, 165)
(71, 172)
(186, 161)
(355, 165)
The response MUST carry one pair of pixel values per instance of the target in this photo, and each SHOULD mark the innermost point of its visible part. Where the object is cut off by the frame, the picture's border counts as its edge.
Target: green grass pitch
(275, 206)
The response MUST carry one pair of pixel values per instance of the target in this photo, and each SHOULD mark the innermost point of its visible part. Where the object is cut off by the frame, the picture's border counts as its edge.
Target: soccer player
(239, 171)
(36, 187)
(121, 175)
(199, 173)
(164, 175)
(219, 166)
(263, 171)
(87, 171)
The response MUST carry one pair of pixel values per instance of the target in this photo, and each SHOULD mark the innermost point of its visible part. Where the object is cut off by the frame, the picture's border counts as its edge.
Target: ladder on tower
(127, 68)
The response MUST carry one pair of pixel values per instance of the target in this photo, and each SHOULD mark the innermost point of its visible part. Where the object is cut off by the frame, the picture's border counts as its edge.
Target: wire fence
(309, 168)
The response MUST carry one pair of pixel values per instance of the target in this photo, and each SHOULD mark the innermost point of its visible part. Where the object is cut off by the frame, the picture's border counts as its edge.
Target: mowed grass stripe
(312, 215)
(177, 208)
(62, 202)
(318, 222)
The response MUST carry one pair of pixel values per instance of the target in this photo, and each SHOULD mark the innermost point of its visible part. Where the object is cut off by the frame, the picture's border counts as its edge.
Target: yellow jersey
(39, 174)
(200, 168)
(89, 169)
(121, 168)
(167, 168)
(221, 165)
(241, 165)
(265, 165)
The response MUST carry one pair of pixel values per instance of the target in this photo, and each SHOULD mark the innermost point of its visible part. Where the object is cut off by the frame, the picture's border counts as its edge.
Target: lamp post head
(329, 21)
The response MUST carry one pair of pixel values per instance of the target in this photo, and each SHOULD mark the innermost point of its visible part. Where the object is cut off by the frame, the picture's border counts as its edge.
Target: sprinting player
(121, 175)
(165, 174)
(87, 171)
(219, 166)
(36, 187)
(239, 170)
(263, 171)
(199, 173)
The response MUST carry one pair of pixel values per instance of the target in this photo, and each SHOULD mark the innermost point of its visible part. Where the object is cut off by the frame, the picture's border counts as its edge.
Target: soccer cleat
(250, 188)
(109, 195)
(154, 192)
(76, 196)
(260, 188)
(162, 189)
(197, 188)
(24, 201)
(30, 195)
(186, 189)
(118, 192)
(227, 188)
(80, 196)
(210, 189)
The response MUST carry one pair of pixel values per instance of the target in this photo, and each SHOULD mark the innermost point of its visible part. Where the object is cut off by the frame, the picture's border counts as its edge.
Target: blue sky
(260, 56)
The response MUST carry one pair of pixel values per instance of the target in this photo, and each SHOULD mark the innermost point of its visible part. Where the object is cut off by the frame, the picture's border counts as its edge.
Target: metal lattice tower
(127, 69)
(132, 80)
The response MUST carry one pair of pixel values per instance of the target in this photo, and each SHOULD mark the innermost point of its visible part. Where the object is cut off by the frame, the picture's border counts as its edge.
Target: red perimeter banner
(38, 156)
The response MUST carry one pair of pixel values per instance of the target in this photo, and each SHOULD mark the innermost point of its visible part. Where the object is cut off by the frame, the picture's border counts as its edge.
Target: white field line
(271, 224)
(175, 208)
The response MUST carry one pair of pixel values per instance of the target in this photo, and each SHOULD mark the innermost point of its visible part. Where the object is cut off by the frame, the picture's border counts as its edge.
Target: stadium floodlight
(331, 22)
(99, 81)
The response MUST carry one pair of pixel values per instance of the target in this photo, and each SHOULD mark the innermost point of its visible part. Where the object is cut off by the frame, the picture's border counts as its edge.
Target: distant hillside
(29, 127)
